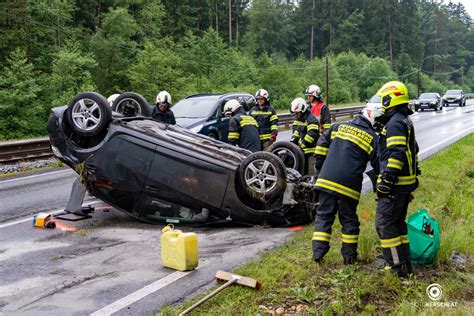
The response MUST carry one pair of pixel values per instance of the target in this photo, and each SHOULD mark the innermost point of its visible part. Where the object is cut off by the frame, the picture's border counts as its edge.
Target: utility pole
(327, 81)
(462, 77)
(217, 20)
(230, 21)
(312, 32)
(418, 84)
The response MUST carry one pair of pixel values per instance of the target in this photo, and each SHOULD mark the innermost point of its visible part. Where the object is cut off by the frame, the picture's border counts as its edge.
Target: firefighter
(398, 152)
(266, 117)
(305, 132)
(342, 154)
(161, 112)
(243, 129)
(317, 106)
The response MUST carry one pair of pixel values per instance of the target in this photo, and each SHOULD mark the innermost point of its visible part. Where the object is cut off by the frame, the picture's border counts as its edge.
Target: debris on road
(179, 250)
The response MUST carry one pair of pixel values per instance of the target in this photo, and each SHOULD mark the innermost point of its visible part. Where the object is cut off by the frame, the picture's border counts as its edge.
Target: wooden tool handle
(220, 288)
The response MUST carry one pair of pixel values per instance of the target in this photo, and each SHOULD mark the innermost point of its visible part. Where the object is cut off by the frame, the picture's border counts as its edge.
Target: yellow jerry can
(179, 250)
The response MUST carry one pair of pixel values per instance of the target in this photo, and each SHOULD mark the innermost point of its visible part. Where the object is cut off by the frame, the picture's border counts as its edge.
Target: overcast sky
(469, 5)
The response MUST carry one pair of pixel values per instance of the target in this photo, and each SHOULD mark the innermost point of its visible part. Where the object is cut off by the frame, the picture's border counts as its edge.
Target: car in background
(203, 113)
(452, 97)
(161, 173)
(429, 100)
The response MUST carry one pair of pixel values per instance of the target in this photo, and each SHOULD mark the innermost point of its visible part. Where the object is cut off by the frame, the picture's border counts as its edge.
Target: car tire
(263, 176)
(213, 135)
(131, 101)
(290, 154)
(88, 114)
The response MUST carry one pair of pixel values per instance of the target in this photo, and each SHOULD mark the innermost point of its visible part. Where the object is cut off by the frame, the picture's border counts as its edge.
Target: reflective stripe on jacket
(243, 131)
(306, 132)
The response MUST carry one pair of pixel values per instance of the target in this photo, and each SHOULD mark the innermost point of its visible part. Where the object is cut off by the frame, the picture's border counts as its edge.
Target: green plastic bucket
(423, 246)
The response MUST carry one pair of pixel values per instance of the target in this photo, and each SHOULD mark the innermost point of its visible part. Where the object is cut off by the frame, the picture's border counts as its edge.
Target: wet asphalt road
(110, 256)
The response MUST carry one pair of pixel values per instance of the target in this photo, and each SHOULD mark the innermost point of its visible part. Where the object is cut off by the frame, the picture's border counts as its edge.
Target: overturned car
(163, 173)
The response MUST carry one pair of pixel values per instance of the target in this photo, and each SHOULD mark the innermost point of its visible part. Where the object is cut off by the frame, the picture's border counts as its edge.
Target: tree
(114, 48)
(20, 111)
(71, 74)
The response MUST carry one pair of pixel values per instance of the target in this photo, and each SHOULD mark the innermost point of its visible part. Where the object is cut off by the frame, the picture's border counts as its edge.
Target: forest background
(52, 49)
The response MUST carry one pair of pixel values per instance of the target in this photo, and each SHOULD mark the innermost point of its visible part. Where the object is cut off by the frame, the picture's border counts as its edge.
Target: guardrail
(32, 149)
(469, 95)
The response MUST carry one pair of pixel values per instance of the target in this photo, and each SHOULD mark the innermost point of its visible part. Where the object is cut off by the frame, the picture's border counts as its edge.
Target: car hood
(190, 122)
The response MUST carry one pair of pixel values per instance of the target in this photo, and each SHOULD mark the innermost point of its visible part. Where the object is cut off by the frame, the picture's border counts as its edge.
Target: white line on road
(141, 293)
(466, 131)
(30, 218)
(36, 175)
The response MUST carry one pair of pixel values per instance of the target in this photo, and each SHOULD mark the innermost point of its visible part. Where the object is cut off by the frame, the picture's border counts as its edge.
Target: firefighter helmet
(393, 93)
(163, 97)
(372, 112)
(313, 90)
(230, 107)
(112, 98)
(262, 94)
(298, 105)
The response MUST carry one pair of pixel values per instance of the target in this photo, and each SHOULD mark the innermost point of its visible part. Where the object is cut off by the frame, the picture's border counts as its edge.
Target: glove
(418, 171)
(411, 197)
(273, 138)
(294, 140)
(385, 186)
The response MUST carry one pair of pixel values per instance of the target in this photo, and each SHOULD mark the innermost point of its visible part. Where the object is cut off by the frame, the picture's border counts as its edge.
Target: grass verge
(293, 284)
(30, 170)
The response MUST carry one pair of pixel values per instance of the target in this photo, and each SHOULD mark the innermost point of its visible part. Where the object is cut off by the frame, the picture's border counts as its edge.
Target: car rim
(128, 103)
(261, 176)
(287, 156)
(86, 114)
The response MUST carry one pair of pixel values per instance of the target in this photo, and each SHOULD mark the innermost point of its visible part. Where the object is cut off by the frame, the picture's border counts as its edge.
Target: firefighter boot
(320, 249)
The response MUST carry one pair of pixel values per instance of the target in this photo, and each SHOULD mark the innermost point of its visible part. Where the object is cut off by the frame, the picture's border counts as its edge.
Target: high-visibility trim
(408, 154)
(321, 236)
(328, 125)
(274, 127)
(383, 132)
(406, 180)
(296, 133)
(350, 239)
(395, 163)
(265, 136)
(333, 135)
(308, 150)
(358, 141)
(260, 113)
(336, 187)
(313, 127)
(299, 123)
(404, 239)
(273, 117)
(309, 138)
(396, 140)
(247, 123)
(320, 150)
(389, 243)
(234, 135)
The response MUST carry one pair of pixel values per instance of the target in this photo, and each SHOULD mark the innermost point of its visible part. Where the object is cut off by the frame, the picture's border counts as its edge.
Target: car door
(119, 171)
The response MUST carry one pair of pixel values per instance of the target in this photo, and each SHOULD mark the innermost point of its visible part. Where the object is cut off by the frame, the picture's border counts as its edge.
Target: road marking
(141, 293)
(35, 176)
(444, 140)
(30, 218)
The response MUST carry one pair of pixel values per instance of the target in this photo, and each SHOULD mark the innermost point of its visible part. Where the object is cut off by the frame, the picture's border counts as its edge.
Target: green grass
(292, 281)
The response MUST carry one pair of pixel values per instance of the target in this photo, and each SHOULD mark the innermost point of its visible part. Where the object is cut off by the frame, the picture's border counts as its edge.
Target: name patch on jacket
(360, 134)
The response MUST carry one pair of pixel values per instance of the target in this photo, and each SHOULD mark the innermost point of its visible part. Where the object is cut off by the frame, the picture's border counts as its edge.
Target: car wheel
(263, 176)
(422, 110)
(131, 104)
(88, 114)
(213, 136)
(291, 155)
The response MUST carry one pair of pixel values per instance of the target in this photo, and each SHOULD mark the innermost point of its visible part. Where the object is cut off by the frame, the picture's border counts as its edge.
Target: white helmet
(372, 111)
(231, 106)
(298, 105)
(163, 97)
(313, 90)
(112, 98)
(262, 93)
